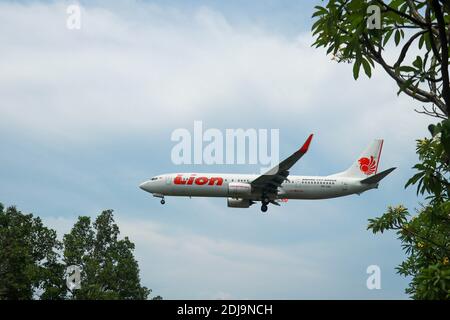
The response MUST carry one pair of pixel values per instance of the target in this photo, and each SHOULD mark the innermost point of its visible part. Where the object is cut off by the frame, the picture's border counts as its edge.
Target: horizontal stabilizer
(377, 177)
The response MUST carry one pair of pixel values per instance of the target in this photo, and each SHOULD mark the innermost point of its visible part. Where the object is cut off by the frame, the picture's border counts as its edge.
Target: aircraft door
(344, 186)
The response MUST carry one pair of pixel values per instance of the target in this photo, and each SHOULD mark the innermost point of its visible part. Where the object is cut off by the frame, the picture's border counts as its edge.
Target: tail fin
(367, 163)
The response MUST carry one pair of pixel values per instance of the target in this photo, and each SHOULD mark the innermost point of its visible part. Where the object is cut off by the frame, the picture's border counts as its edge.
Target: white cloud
(118, 76)
(177, 263)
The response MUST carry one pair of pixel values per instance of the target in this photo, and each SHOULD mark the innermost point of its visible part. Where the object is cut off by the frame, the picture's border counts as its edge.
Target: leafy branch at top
(419, 30)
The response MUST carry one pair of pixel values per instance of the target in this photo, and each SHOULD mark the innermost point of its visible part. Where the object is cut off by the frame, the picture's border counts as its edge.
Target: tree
(108, 267)
(426, 236)
(416, 33)
(28, 257)
(33, 262)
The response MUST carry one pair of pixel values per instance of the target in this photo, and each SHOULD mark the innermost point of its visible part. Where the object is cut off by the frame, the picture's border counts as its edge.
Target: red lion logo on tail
(367, 165)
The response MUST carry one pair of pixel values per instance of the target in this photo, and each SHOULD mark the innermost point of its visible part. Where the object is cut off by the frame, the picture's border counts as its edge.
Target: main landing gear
(163, 201)
(264, 202)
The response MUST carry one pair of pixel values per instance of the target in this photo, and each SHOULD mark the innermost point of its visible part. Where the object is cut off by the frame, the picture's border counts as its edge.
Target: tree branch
(406, 48)
(432, 113)
(430, 30)
(444, 50)
(414, 12)
(402, 14)
(417, 93)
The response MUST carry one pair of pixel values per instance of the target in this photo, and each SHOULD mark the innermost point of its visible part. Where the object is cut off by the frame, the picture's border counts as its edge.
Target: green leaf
(414, 179)
(367, 68)
(356, 67)
(387, 36)
(397, 37)
(434, 129)
(418, 63)
(319, 11)
(421, 41)
(406, 69)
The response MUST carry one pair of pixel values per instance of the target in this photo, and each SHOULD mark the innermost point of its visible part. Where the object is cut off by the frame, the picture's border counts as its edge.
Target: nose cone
(145, 186)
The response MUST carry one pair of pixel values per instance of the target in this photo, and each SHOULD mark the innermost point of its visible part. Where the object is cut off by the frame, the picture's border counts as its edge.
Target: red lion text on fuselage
(201, 180)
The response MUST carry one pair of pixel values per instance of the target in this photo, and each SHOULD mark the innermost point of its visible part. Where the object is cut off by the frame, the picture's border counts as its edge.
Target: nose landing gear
(264, 208)
(160, 196)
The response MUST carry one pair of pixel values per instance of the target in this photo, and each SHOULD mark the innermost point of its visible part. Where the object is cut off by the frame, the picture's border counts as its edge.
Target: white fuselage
(218, 185)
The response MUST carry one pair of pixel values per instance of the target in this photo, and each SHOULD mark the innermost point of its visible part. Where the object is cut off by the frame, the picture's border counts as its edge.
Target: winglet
(305, 146)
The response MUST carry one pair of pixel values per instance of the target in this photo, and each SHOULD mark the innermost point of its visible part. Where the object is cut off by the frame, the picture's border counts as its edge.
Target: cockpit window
(154, 178)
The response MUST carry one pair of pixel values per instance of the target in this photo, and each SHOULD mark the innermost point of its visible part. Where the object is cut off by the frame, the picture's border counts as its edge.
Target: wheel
(163, 201)
(264, 208)
(265, 201)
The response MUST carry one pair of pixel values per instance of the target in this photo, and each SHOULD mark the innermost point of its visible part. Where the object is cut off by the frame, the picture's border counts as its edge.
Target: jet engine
(239, 203)
(239, 189)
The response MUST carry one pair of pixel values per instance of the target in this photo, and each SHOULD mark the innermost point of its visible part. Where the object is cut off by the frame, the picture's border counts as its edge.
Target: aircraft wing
(272, 179)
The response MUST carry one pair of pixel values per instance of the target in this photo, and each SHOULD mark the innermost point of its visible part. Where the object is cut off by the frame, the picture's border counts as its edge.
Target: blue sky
(86, 115)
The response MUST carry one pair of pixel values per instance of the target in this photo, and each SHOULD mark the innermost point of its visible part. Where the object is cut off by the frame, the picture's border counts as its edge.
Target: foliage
(341, 27)
(109, 270)
(426, 236)
(421, 73)
(33, 261)
(28, 257)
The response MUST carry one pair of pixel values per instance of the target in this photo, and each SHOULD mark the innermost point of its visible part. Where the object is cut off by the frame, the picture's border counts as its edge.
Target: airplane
(276, 185)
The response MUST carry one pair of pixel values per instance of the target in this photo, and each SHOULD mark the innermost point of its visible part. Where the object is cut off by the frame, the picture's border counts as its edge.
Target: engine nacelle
(239, 203)
(239, 189)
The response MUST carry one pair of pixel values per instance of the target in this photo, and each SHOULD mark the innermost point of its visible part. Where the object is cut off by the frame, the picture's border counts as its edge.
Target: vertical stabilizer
(366, 164)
